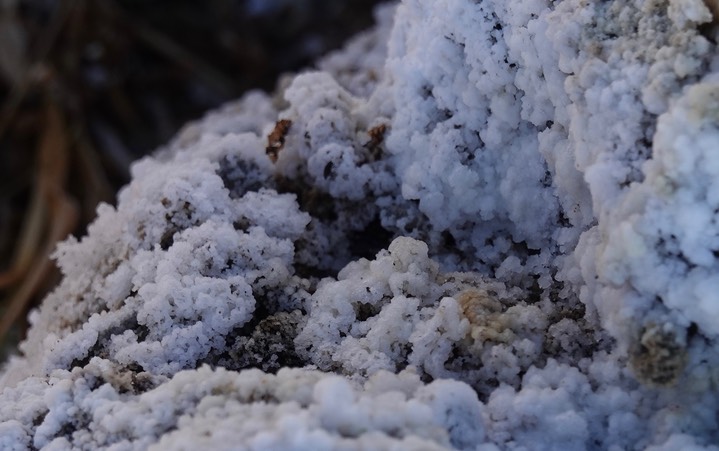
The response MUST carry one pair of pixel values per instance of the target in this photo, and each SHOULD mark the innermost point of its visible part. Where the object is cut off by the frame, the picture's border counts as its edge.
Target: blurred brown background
(87, 86)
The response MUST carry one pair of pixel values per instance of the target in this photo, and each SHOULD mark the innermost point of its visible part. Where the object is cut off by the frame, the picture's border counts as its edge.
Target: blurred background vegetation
(88, 86)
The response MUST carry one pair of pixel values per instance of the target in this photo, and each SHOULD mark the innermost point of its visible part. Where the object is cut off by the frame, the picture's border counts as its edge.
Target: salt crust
(492, 225)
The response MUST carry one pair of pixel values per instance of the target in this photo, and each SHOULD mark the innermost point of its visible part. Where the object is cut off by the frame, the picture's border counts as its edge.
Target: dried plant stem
(62, 214)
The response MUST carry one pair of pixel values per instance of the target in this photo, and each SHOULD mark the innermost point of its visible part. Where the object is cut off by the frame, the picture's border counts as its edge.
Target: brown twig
(52, 168)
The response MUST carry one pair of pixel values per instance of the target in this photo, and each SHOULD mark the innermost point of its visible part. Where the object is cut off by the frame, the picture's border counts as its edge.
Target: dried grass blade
(52, 170)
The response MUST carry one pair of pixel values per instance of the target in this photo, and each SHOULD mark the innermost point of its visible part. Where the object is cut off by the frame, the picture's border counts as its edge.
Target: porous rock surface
(483, 225)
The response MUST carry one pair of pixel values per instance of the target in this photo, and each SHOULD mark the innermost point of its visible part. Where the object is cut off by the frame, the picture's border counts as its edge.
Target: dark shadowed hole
(372, 239)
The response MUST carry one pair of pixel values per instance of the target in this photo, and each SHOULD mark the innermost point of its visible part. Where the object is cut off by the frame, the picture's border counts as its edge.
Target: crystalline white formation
(483, 225)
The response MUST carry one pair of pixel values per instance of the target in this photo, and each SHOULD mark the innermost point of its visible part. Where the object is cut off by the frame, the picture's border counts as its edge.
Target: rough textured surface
(482, 225)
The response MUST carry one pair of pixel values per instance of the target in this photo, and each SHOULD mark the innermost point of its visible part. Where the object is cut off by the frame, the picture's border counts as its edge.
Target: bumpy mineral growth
(485, 224)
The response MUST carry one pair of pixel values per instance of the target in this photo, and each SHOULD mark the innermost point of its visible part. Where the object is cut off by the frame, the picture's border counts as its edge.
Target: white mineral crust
(491, 224)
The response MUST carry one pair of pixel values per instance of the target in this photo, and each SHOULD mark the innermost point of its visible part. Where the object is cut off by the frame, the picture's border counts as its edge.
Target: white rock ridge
(483, 225)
